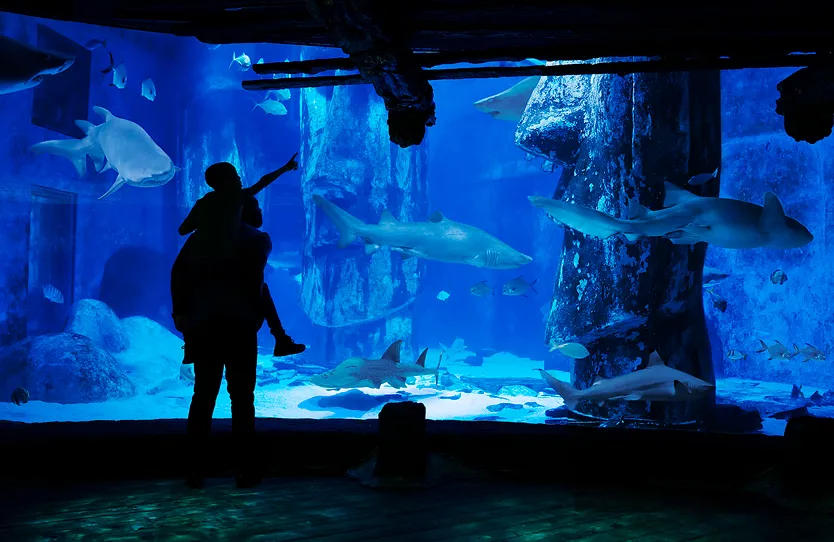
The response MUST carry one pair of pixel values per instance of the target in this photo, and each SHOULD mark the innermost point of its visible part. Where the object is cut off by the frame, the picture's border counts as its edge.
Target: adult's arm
(181, 282)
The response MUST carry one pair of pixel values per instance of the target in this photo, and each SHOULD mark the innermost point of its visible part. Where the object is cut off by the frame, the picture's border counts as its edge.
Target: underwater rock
(621, 299)
(131, 280)
(155, 354)
(516, 391)
(474, 361)
(351, 400)
(487, 419)
(566, 413)
(792, 413)
(63, 368)
(94, 319)
(554, 119)
(503, 406)
(347, 159)
(454, 397)
(732, 419)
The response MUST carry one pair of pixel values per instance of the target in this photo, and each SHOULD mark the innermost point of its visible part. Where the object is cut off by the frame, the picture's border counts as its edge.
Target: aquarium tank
(641, 251)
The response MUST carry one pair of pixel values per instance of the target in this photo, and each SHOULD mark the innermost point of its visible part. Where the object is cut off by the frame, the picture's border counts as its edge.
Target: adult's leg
(241, 376)
(208, 373)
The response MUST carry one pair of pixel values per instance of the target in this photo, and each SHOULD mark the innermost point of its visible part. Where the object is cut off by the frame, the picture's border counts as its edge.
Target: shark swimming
(117, 144)
(359, 372)
(688, 219)
(438, 239)
(657, 382)
(25, 66)
(509, 104)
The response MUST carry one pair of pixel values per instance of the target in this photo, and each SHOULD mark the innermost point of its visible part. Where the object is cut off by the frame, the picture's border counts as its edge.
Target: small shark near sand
(372, 373)
(657, 382)
(688, 219)
(117, 144)
(438, 239)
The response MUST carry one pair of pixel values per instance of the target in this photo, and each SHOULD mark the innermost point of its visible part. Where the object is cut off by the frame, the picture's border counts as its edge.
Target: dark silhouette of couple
(220, 301)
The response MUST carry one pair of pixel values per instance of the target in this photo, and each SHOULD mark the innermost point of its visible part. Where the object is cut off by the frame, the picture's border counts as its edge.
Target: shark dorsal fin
(421, 361)
(393, 352)
(387, 218)
(107, 115)
(85, 125)
(635, 210)
(680, 388)
(773, 215)
(675, 195)
(655, 360)
(437, 216)
(598, 380)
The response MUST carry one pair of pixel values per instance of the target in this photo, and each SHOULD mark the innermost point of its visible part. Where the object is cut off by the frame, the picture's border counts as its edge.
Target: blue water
(105, 346)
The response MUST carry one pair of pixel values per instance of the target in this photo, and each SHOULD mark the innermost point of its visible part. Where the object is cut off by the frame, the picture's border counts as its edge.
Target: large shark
(117, 144)
(657, 382)
(372, 373)
(509, 104)
(438, 239)
(688, 219)
(24, 66)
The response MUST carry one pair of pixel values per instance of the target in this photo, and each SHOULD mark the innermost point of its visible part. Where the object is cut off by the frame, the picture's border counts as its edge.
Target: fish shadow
(350, 404)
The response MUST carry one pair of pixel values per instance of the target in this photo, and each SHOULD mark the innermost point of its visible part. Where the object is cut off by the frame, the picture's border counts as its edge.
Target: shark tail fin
(531, 285)
(567, 392)
(75, 150)
(347, 224)
(421, 360)
(764, 347)
(109, 68)
(633, 236)
(437, 369)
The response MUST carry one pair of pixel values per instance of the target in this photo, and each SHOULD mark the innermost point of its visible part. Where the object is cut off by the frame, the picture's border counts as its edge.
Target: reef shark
(359, 372)
(117, 144)
(509, 104)
(438, 239)
(657, 382)
(24, 66)
(689, 219)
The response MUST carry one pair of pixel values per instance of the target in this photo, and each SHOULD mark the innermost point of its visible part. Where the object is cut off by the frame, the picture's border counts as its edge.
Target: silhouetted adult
(219, 309)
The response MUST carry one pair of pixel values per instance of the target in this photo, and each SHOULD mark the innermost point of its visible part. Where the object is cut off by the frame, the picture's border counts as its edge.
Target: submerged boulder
(155, 354)
(63, 368)
(97, 321)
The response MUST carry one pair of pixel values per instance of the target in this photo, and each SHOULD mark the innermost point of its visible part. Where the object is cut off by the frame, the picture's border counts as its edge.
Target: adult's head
(251, 213)
(223, 176)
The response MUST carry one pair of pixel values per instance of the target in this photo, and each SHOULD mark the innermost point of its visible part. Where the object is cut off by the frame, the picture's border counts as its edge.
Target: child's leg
(284, 345)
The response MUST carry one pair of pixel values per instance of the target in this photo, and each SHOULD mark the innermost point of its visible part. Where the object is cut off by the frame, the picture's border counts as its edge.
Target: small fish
(243, 61)
(571, 350)
(298, 278)
(796, 392)
(481, 289)
(95, 44)
(271, 107)
(775, 351)
(518, 286)
(280, 94)
(809, 352)
(548, 166)
(149, 89)
(20, 396)
(703, 178)
(53, 294)
(778, 277)
(443, 295)
(717, 301)
(816, 398)
(735, 355)
(713, 276)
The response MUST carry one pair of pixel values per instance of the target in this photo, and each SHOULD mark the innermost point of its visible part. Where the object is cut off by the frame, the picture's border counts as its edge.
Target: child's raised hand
(291, 165)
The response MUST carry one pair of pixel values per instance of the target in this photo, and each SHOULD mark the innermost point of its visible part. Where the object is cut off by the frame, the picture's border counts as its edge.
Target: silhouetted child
(216, 216)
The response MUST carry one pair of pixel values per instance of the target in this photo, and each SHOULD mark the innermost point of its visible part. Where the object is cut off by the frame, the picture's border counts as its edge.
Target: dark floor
(338, 509)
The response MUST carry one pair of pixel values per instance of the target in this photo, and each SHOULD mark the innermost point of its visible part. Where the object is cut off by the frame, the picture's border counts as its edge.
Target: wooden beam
(621, 68)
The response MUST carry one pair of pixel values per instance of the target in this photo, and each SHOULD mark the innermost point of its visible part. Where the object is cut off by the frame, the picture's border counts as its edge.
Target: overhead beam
(619, 67)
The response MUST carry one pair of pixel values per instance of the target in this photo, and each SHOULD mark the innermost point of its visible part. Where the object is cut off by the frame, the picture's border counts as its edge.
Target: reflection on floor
(328, 509)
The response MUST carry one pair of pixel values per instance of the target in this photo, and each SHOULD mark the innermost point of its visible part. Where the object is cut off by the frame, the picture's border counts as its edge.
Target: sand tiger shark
(689, 219)
(117, 144)
(657, 382)
(438, 239)
(24, 66)
(372, 373)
